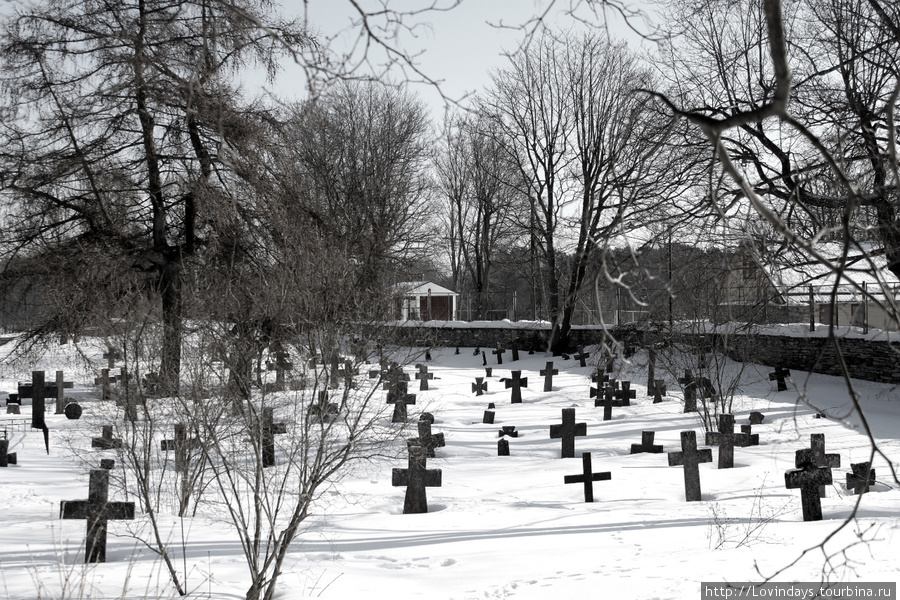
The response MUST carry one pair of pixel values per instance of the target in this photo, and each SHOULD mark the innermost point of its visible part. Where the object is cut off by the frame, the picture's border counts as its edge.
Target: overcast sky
(458, 47)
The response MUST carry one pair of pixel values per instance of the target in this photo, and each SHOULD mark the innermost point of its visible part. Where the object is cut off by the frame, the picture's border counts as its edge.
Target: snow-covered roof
(422, 288)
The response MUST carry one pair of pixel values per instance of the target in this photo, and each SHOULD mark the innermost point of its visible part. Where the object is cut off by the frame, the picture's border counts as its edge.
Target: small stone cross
(750, 438)
(548, 372)
(106, 441)
(690, 457)
(98, 510)
(516, 382)
(646, 444)
(323, 411)
(690, 391)
(423, 376)
(725, 439)
(416, 478)
(480, 386)
(268, 430)
(587, 477)
(426, 439)
(400, 398)
(626, 394)
(567, 431)
(582, 356)
(499, 353)
(779, 376)
(756, 418)
(808, 478)
(514, 347)
(508, 430)
(182, 446)
(859, 480)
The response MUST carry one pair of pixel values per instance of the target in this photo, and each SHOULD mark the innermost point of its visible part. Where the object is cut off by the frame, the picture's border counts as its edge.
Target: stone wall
(873, 360)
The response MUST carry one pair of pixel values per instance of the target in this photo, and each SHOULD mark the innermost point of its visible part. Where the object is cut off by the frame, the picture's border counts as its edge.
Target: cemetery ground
(498, 526)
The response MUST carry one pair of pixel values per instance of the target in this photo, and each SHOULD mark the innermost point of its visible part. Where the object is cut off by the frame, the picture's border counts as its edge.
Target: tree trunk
(172, 317)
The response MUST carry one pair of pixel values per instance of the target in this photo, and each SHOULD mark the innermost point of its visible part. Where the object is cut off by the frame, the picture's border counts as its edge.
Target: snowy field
(500, 527)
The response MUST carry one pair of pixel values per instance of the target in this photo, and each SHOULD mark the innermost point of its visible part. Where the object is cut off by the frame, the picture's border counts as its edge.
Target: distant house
(790, 287)
(425, 301)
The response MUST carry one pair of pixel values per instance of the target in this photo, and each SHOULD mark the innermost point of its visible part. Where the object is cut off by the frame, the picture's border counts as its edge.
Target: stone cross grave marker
(548, 372)
(503, 447)
(587, 477)
(112, 355)
(488, 371)
(756, 418)
(268, 430)
(659, 390)
(98, 511)
(750, 438)
(416, 478)
(808, 477)
(705, 388)
(726, 439)
(39, 391)
(516, 382)
(182, 445)
(10, 458)
(779, 376)
(690, 391)
(514, 347)
(106, 440)
(323, 411)
(334, 365)
(817, 447)
(347, 373)
(582, 356)
(690, 457)
(626, 394)
(480, 386)
(567, 431)
(426, 439)
(105, 382)
(509, 431)
(398, 396)
(59, 388)
(600, 377)
(646, 444)
(423, 376)
(858, 481)
(499, 353)
(608, 402)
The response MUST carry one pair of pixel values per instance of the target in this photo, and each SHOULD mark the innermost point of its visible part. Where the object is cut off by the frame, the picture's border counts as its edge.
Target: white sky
(458, 47)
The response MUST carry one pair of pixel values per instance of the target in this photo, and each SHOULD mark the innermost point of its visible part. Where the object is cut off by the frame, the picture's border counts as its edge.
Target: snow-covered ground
(502, 526)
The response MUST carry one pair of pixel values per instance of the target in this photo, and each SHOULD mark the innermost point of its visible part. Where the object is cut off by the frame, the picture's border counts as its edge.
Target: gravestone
(817, 447)
(582, 356)
(690, 391)
(182, 445)
(626, 394)
(38, 390)
(608, 402)
(587, 477)
(516, 382)
(480, 386)
(750, 438)
(400, 398)
(423, 376)
(13, 409)
(567, 431)
(779, 376)
(600, 377)
(503, 447)
(646, 444)
(112, 355)
(488, 417)
(514, 347)
(106, 440)
(705, 388)
(268, 430)
(416, 478)
(651, 369)
(72, 411)
(488, 371)
(426, 439)
(499, 353)
(808, 477)
(690, 458)
(509, 431)
(59, 388)
(858, 481)
(322, 411)
(10, 458)
(548, 372)
(725, 439)
(657, 390)
(281, 365)
(105, 382)
(756, 418)
(98, 511)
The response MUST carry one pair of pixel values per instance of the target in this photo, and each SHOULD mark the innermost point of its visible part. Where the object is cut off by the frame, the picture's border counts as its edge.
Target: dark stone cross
(808, 477)
(398, 396)
(646, 444)
(690, 391)
(112, 355)
(756, 418)
(587, 477)
(657, 389)
(626, 394)
(548, 372)
(779, 376)
(480, 386)
(182, 445)
(423, 376)
(582, 356)
(334, 366)
(499, 353)
(58, 388)
(106, 440)
(567, 431)
(859, 480)
(817, 447)
(508, 430)
(608, 402)
(98, 510)
(516, 382)
(426, 439)
(725, 439)
(9, 458)
(323, 411)
(600, 377)
(514, 347)
(690, 457)
(488, 372)
(268, 430)
(39, 390)
(750, 438)
(282, 363)
(503, 447)
(416, 478)
(105, 382)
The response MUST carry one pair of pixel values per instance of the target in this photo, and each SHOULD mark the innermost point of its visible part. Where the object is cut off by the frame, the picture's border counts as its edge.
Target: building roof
(422, 288)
